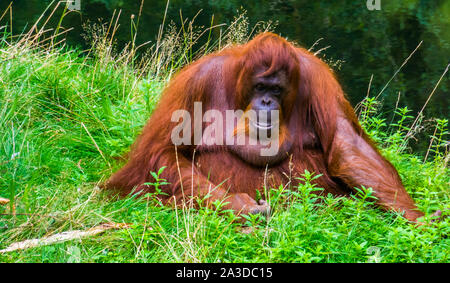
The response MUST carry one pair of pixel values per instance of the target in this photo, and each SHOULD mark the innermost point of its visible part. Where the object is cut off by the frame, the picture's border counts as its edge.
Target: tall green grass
(68, 116)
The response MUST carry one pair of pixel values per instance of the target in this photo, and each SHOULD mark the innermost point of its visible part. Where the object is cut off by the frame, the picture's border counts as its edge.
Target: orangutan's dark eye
(260, 87)
(276, 90)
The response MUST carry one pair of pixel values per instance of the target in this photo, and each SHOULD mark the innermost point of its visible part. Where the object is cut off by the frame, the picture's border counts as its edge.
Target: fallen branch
(63, 237)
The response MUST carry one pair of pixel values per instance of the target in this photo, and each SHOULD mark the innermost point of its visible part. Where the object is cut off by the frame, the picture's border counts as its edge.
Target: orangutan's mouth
(262, 126)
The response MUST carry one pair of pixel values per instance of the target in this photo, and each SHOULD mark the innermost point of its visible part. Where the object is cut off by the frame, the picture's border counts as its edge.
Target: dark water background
(368, 42)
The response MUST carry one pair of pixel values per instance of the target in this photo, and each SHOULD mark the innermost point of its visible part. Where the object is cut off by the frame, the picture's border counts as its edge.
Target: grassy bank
(67, 116)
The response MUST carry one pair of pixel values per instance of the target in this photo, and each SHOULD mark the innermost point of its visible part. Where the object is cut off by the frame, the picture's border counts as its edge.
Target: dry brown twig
(64, 236)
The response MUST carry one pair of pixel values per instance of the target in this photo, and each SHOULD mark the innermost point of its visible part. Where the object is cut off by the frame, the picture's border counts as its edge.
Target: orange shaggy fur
(327, 138)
